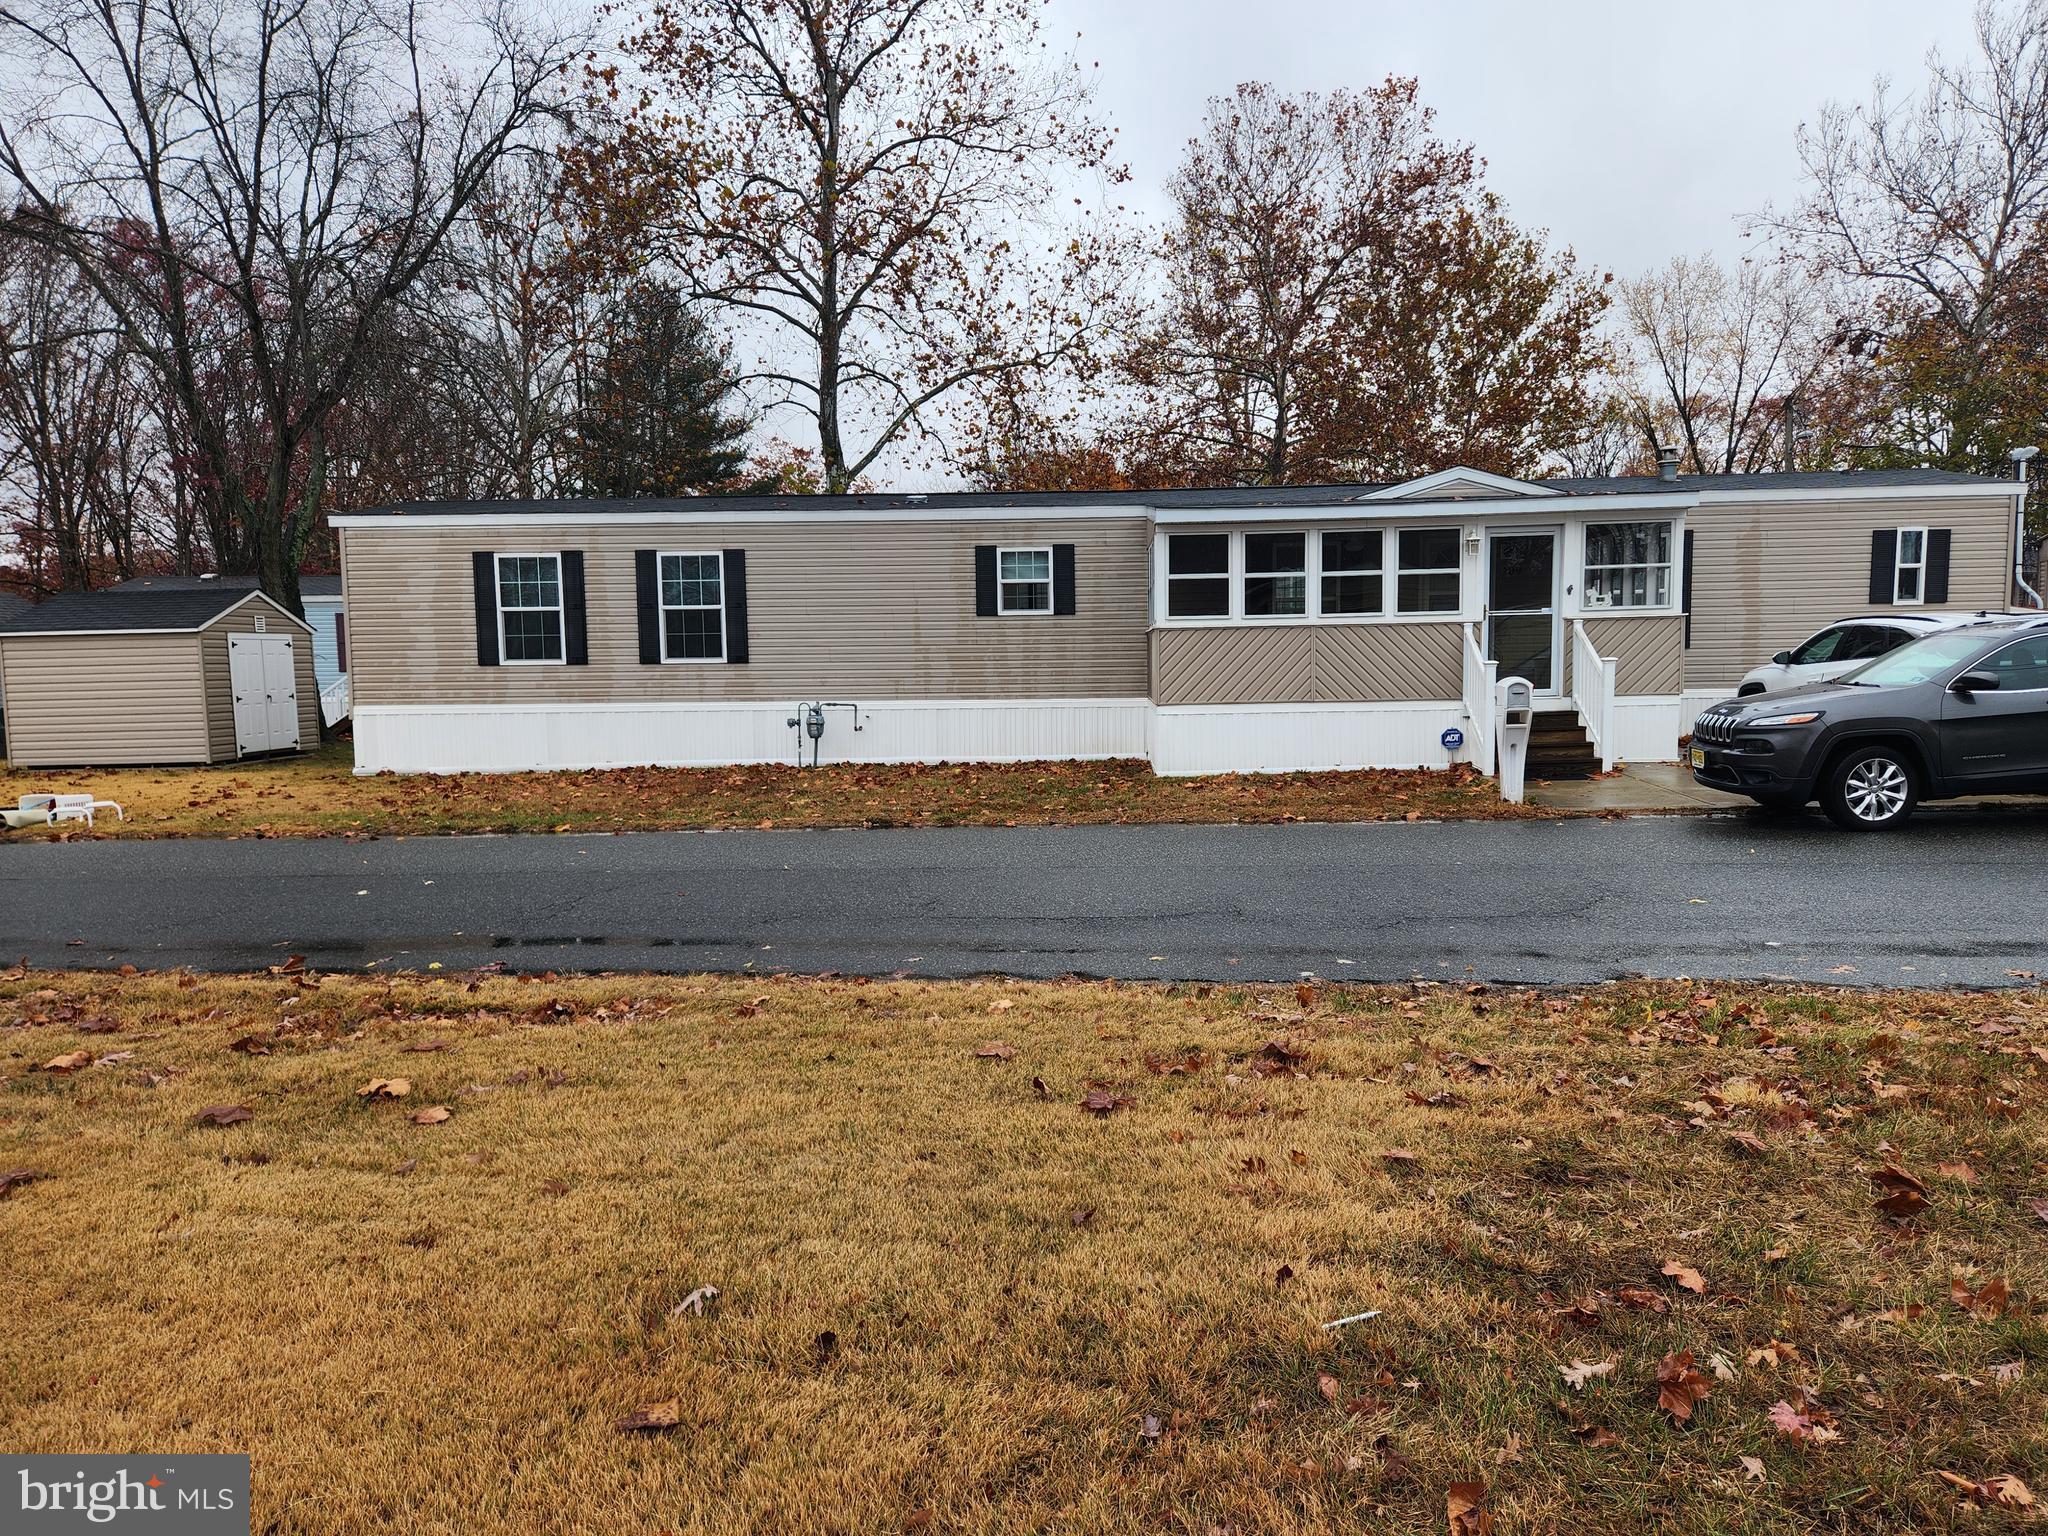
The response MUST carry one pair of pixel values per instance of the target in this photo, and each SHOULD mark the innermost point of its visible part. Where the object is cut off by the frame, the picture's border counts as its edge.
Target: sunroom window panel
(1628, 565)
(1428, 580)
(1275, 575)
(1352, 572)
(1198, 576)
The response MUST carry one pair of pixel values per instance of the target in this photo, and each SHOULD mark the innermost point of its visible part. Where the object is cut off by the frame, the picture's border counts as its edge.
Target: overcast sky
(1632, 131)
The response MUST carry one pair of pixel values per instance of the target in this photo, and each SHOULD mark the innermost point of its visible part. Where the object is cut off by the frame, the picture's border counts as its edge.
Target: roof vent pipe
(1667, 465)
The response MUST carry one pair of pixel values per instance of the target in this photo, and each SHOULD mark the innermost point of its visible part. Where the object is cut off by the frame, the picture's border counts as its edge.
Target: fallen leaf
(1688, 1279)
(1305, 995)
(1595, 1436)
(997, 1050)
(1579, 1372)
(385, 1088)
(251, 1045)
(1103, 1100)
(224, 1114)
(1985, 1303)
(663, 1415)
(1002, 1005)
(1679, 1386)
(433, 1114)
(70, 1061)
(1804, 1421)
(1149, 1427)
(11, 1178)
(1962, 1173)
(1082, 1216)
(1397, 1158)
(1465, 1505)
(826, 1345)
(2005, 1491)
(1904, 1195)
(1329, 1386)
(426, 1045)
(1753, 1469)
(1772, 1355)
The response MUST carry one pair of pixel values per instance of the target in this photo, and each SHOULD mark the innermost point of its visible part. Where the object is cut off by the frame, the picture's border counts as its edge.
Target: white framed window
(1198, 576)
(1628, 565)
(530, 610)
(1024, 580)
(1354, 572)
(1909, 574)
(692, 589)
(1275, 575)
(1427, 577)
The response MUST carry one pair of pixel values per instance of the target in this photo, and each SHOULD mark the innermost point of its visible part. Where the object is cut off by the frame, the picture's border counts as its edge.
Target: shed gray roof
(1217, 497)
(125, 609)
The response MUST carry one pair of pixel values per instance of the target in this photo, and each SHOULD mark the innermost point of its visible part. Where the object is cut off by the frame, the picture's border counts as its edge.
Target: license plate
(1699, 758)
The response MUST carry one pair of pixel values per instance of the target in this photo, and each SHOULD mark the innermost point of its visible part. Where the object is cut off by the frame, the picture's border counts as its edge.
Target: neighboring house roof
(12, 605)
(127, 610)
(309, 586)
(1422, 488)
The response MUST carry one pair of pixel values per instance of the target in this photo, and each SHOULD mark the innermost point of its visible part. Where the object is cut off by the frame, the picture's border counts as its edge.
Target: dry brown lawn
(951, 1298)
(319, 795)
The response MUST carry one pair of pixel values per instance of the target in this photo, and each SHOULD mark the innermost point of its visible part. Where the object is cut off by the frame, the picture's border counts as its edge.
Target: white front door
(1523, 630)
(263, 674)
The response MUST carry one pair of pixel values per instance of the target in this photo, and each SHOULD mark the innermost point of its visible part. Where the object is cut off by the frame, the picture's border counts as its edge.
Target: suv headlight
(1805, 717)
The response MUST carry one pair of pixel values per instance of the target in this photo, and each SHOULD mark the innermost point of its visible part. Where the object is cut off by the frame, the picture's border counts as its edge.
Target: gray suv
(1964, 712)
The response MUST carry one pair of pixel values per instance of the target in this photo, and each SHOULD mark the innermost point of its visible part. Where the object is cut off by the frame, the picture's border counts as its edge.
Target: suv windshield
(1921, 661)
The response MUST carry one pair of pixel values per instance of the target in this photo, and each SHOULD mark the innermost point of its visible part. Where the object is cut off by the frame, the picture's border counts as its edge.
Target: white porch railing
(1593, 693)
(1480, 677)
(334, 700)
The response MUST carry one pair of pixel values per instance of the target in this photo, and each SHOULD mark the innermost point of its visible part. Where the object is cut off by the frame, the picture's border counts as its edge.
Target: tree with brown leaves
(862, 188)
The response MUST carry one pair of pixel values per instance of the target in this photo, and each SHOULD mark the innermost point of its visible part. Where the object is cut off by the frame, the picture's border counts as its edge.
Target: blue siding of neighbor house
(323, 614)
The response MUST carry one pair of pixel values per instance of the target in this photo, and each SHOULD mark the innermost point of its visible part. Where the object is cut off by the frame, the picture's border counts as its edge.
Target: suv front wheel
(1870, 789)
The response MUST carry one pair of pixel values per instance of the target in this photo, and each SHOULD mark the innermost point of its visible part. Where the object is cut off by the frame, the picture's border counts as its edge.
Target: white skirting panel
(454, 738)
(1646, 730)
(1285, 738)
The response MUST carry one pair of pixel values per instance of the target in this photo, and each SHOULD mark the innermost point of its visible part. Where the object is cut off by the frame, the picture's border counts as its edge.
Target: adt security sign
(1452, 738)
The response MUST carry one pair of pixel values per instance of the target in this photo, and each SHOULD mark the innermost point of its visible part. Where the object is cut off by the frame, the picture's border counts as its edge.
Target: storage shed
(199, 674)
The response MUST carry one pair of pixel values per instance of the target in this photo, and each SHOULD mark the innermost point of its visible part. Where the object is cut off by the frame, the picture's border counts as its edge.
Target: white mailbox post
(1511, 729)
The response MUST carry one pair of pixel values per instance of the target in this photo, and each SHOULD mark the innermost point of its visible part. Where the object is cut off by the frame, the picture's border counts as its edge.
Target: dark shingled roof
(179, 608)
(309, 586)
(1221, 497)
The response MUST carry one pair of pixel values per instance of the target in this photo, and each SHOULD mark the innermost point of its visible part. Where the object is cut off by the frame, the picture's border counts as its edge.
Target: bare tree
(1720, 359)
(261, 179)
(80, 460)
(863, 186)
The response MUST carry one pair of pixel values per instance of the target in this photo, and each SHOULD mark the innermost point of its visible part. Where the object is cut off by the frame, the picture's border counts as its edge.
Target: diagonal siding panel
(1649, 653)
(1307, 664)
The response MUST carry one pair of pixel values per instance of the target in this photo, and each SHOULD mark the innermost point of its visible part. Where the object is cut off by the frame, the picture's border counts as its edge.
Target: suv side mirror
(1782, 659)
(1975, 682)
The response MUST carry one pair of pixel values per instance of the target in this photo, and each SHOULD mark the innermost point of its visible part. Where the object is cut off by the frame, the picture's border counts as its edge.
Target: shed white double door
(263, 671)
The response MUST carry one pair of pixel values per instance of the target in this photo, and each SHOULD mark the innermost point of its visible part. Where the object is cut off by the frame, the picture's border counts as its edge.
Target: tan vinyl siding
(1307, 663)
(220, 691)
(853, 610)
(1648, 652)
(1767, 575)
(88, 700)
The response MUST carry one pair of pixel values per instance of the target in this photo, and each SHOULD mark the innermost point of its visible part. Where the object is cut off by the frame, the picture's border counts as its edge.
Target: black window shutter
(985, 581)
(1937, 565)
(1063, 578)
(645, 603)
(735, 605)
(484, 568)
(575, 625)
(1685, 589)
(1884, 564)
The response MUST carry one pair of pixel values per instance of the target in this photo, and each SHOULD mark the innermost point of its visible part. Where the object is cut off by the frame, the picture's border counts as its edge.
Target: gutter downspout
(2020, 458)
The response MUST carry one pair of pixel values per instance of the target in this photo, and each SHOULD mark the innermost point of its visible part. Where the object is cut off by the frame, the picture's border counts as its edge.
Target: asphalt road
(1953, 899)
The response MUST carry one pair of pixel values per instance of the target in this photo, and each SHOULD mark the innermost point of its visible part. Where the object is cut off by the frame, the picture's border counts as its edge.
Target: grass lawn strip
(319, 794)
(1014, 1257)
